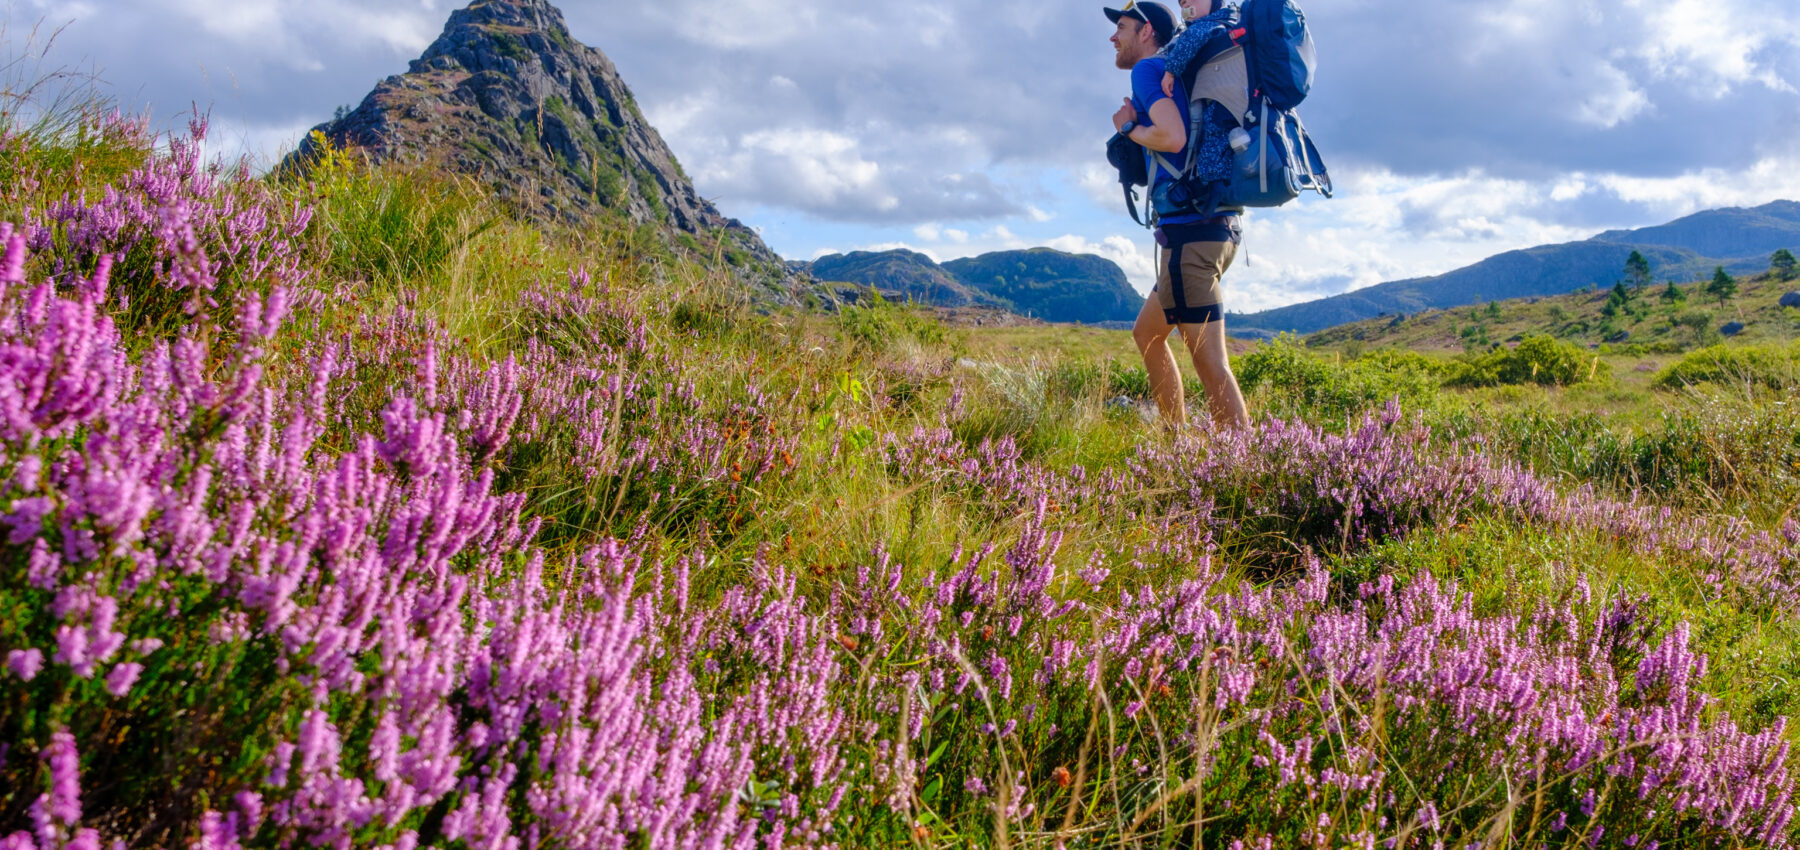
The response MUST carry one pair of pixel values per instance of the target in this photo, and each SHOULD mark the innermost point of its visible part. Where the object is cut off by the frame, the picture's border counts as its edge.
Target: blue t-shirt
(1146, 90)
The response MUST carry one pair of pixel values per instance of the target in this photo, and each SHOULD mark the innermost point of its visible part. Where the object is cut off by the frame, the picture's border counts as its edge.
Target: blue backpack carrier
(1260, 73)
(1279, 50)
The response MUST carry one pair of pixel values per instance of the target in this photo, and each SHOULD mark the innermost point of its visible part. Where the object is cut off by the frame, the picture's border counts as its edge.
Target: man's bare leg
(1206, 344)
(1151, 333)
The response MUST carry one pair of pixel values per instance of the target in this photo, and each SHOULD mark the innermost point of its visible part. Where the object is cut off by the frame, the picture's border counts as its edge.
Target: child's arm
(1181, 51)
(1189, 44)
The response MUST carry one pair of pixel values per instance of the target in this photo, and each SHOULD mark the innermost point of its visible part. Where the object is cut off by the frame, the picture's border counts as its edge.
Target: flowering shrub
(177, 237)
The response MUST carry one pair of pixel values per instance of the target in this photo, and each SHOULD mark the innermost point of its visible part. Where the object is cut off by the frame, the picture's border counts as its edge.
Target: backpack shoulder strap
(1131, 204)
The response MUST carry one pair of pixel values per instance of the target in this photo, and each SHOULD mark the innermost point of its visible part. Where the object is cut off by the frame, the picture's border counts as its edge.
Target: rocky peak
(506, 95)
(532, 15)
(470, 29)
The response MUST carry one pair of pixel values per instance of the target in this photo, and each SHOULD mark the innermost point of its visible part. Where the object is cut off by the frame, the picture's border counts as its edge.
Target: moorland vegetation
(352, 510)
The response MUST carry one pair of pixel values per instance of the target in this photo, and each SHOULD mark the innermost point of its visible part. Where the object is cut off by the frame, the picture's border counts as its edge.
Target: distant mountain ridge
(1051, 285)
(1687, 249)
(900, 274)
(1039, 282)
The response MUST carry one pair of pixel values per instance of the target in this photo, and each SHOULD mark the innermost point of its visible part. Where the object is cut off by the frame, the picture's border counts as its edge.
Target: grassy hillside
(1649, 321)
(1741, 240)
(354, 513)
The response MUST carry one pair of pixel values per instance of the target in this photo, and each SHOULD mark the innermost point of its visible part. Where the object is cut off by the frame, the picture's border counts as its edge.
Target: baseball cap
(1155, 14)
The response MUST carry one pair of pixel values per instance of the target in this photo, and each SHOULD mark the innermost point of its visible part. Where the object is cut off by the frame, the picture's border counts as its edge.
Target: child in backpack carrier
(1208, 33)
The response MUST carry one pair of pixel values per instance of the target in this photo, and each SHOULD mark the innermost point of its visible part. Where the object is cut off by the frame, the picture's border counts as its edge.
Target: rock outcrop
(507, 96)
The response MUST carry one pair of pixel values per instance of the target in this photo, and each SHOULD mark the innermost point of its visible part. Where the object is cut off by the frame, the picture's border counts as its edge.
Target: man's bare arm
(1166, 134)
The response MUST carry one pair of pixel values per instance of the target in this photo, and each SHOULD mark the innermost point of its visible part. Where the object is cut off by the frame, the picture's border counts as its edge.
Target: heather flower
(25, 663)
(122, 677)
(63, 802)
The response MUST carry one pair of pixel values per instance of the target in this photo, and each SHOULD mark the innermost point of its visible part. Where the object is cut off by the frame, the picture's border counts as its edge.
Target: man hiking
(1194, 250)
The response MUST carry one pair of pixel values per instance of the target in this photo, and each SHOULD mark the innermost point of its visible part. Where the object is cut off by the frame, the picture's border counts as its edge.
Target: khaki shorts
(1189, 292)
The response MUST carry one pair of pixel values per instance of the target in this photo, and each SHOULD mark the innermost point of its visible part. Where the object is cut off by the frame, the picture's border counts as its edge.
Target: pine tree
(1722, 287)
(1616, 300)
(1783, 265)
(1673, 294)
(1637, 270)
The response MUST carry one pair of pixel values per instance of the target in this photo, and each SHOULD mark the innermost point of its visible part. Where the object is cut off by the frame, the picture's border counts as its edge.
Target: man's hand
(1168, 84)
(1125, 113)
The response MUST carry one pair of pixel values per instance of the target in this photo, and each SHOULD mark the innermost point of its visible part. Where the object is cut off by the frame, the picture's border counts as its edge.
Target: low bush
(1709, 452)
(876, 325)
(1537, 359)
(1762, 367)
(384, 225)
(1128, 379)
(1292, 381)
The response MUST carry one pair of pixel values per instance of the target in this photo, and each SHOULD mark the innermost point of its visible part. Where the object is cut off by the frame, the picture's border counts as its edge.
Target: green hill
(906, 275)
(1051, 285)
(1039, 282)
(1647, 321)
(1688, 248)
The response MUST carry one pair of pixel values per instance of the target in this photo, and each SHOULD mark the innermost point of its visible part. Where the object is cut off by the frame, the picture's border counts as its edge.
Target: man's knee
(1148, 331)
(1205, 341)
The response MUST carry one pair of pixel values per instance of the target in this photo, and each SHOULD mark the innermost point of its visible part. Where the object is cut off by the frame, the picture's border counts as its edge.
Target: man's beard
(1126, 57)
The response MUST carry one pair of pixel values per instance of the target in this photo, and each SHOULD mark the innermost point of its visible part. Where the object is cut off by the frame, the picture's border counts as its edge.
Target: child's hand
(1168, 84)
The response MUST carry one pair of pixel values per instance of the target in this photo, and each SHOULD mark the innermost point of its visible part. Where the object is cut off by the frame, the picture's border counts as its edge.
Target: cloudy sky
(1454, 129)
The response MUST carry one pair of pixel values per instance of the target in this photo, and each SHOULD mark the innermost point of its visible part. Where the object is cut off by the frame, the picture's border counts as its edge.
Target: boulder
(1791, 299)
(1732, 328)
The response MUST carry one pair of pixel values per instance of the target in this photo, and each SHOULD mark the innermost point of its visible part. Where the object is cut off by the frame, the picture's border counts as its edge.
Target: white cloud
(744, 24)
(296, 31)
(263, 144)
(1709, 41)
(1774, 177)
(675, 117)
(1612, 99)
(1569, 188)
(1136, 258)
(805, 167)
(1100, 183)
